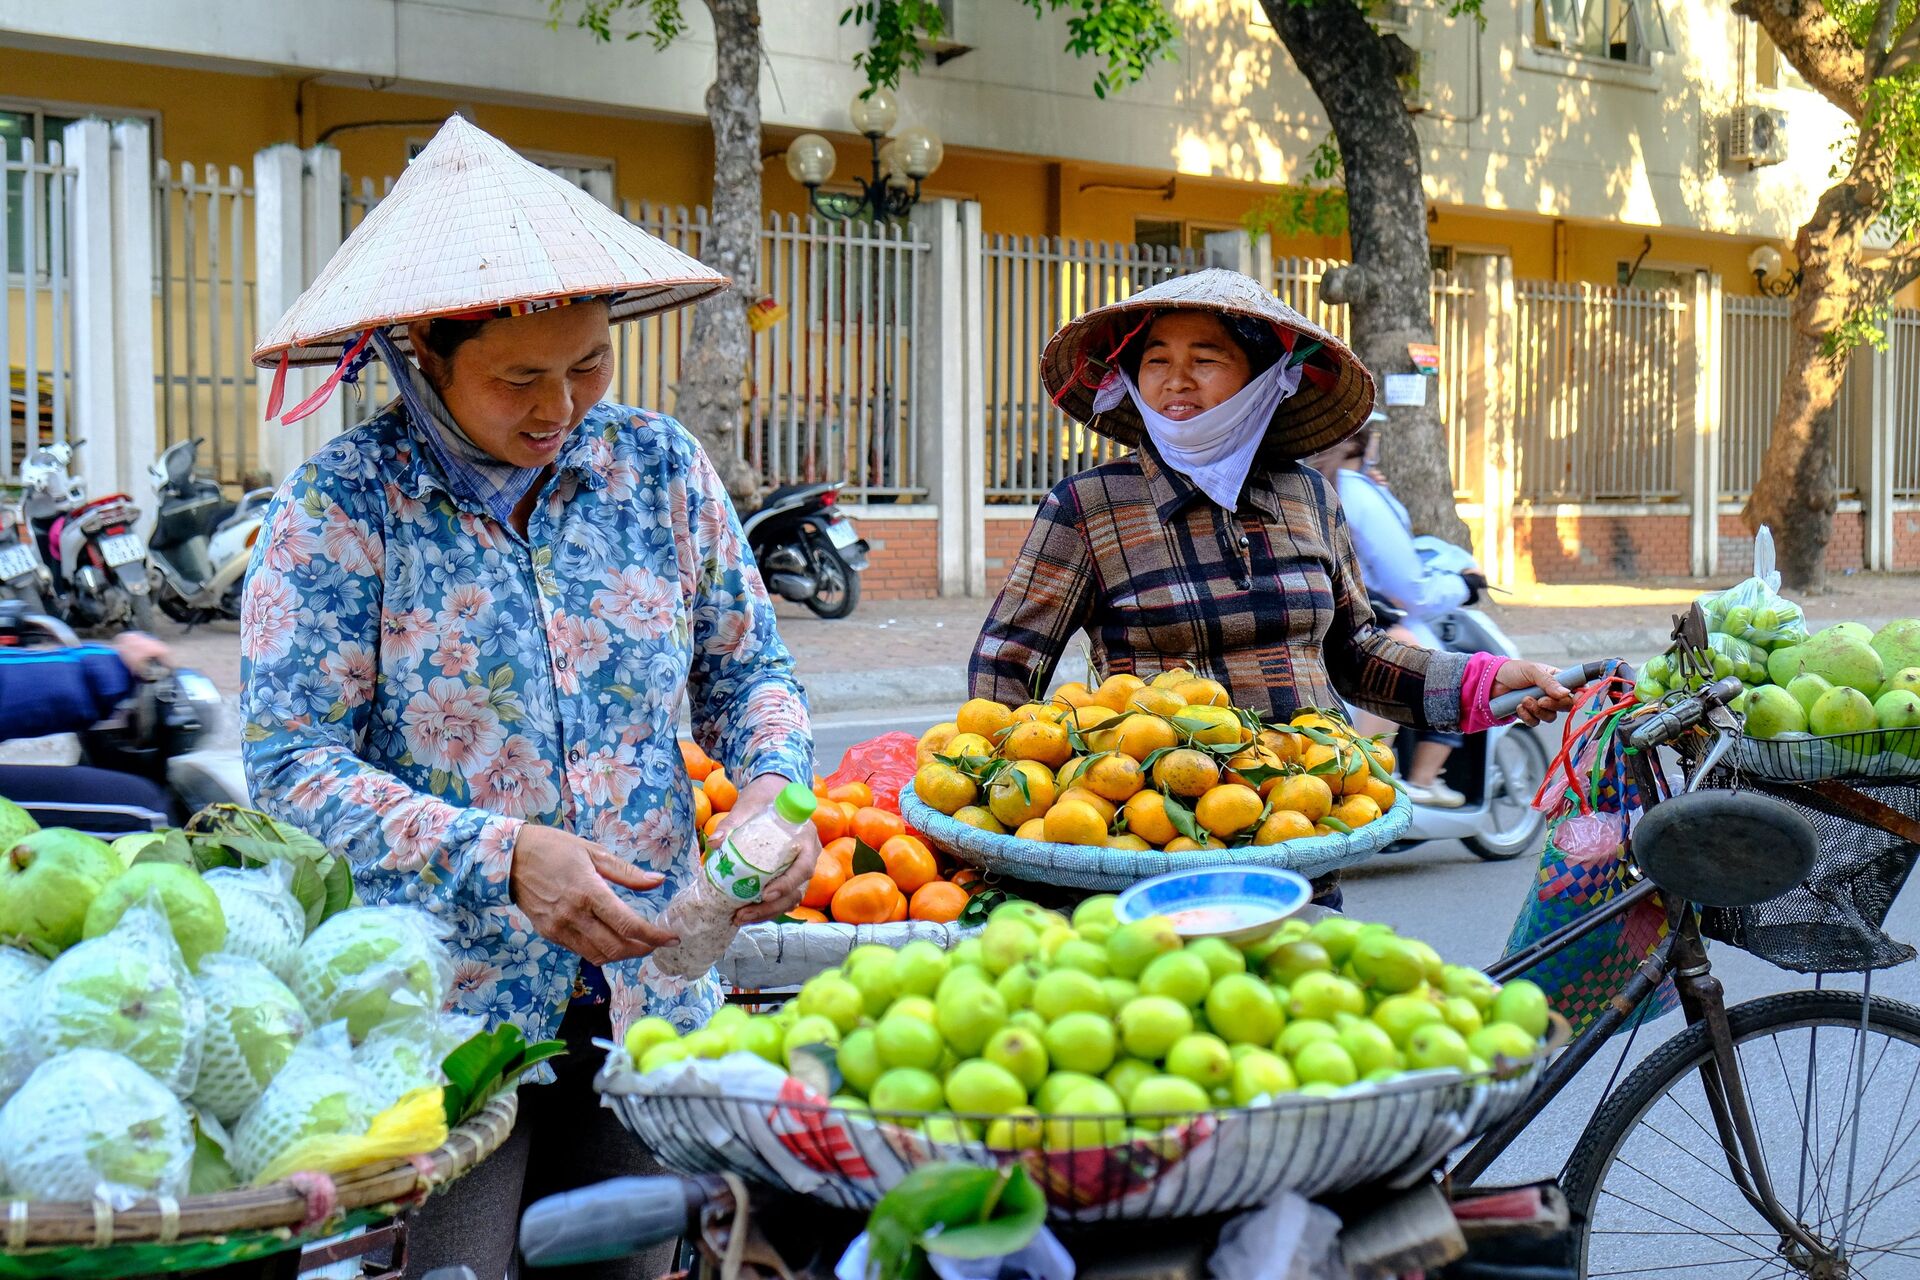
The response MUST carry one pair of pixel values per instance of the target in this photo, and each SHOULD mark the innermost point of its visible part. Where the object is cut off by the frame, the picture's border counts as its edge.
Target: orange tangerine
(698, 763)
(1074, 822)
(983, 716)
(1356, 811)
(829, 873)
(874, 827)
(1074, 693)
(1092, 716)
(1093, 800)
(978, 815)
(1383, 794)
(1147, 817)
(1305, 794)
(1185, 844)
(1228, 809)
(934, 741)
(720, 790)
(1116, 689)
(1051, 712)
(808, 915)
(1032, 829)
(1114, 777)
(1011, 803)
(944, 787)
(858, 794)
(938, 900)
(1161, 702)
(867, 899)
(909, 862)
(1281, 826)
(1127, 840)
(1202, 692)
(1141, 735)
(1186, 773)
(1172, 676)
(702, 809)
(1041, 740)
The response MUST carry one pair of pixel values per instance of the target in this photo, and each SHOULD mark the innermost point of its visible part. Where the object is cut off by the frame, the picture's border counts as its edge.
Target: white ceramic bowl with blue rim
(1239, 904)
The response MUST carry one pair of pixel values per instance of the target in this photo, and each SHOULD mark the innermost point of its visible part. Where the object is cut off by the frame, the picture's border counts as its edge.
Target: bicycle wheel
(1649, 1184)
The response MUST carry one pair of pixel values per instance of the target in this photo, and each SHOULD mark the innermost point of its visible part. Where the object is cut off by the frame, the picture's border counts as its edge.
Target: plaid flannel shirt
(1267, 600)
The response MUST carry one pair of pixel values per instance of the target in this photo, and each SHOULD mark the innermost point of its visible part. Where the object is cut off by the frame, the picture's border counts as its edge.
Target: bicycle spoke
(1747, 1235)
(1693, 1155)
(1886, 1159)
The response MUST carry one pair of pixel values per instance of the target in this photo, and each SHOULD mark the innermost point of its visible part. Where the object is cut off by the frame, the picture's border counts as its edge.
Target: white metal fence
(1296, 281)
(1755, 335)
(1031, 286)
(832, 388)
(1597, 392)
(1903, 385)
(203, 265)
(36, 322)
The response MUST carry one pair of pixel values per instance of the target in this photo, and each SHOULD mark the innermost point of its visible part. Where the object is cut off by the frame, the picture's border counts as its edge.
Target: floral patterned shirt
(421, 680)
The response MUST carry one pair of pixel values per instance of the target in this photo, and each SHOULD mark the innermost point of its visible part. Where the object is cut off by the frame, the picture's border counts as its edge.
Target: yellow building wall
(222, 118)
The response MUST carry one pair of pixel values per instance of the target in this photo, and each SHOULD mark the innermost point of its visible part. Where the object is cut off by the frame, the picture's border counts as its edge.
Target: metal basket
(1099, 868)
(779, 955)
(1876, 755)
(1219, 1161)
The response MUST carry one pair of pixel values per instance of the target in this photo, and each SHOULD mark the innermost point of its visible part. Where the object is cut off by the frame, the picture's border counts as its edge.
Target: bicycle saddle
(1725, 848)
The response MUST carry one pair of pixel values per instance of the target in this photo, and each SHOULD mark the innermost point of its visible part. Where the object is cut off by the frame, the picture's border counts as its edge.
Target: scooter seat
(788, 492)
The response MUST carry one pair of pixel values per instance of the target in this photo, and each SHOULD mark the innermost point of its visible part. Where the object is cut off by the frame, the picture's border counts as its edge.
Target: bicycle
(1783, 1207)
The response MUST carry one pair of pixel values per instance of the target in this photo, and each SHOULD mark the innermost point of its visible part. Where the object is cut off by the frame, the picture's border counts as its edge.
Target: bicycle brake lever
(1722, 743)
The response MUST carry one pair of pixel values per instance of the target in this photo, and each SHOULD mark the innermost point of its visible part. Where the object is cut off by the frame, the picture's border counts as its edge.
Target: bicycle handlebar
(614, 1219)
(1664, 726)
(1573, 678)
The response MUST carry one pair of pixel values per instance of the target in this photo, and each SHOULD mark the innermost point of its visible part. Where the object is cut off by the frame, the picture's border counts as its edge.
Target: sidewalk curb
(841, 692)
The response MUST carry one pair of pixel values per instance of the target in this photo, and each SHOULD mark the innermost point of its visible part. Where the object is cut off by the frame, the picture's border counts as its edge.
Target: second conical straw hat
(472, 226)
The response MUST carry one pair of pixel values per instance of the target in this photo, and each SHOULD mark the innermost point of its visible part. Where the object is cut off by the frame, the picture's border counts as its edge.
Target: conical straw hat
(472, 226)
(1336, 392)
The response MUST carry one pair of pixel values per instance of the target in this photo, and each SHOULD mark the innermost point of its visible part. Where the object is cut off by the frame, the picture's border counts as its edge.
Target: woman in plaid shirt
(1211, 544)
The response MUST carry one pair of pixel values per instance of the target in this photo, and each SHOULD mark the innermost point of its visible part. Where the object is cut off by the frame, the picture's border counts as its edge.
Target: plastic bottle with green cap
(736, 874)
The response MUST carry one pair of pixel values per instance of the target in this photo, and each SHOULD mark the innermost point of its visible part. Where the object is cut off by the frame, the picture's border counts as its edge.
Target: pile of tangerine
(903, 880)
(1161, 764)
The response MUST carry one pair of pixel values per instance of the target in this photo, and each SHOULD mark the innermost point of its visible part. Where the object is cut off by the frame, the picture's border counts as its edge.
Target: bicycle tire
(1678, 1058)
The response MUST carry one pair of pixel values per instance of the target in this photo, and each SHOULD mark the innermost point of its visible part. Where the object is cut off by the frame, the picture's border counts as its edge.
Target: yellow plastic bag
(416, 1123)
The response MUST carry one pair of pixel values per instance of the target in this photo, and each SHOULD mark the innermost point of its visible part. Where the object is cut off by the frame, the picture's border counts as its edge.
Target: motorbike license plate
(841, 533)
(15, 562)
(123, 548)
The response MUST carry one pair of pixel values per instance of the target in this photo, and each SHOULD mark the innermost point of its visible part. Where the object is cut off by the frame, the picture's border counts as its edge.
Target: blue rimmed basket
(1088, 867)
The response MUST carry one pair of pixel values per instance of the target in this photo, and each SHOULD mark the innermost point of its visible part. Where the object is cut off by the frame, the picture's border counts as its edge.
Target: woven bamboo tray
(78, 1239)
(1102, 869)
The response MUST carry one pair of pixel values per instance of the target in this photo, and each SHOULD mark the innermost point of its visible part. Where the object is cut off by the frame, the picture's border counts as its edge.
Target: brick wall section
(903, 559)
(1846, 549)
(1587, 548)
(1906, 539)
(1005, 534)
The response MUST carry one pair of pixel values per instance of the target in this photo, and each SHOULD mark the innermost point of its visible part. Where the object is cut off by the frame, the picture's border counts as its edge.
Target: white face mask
(1214, 449)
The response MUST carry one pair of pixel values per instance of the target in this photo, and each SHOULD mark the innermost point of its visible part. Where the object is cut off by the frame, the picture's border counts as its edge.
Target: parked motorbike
(201, 543)
(807, 550)
(95, 559)
(1497, 771)
(156, 732)
(22, 575)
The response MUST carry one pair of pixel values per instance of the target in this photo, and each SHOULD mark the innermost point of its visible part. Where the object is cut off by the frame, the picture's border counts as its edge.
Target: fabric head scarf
(472, 473)
(1214, 449)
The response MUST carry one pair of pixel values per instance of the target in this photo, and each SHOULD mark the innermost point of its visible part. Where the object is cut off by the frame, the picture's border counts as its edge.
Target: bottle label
(734, 875)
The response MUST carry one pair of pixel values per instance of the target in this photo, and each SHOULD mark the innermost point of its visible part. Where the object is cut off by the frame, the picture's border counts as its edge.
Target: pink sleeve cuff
(1476, 693)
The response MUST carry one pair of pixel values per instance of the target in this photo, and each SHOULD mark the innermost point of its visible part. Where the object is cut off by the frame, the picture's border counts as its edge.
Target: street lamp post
(1766, 265)
(898, 163)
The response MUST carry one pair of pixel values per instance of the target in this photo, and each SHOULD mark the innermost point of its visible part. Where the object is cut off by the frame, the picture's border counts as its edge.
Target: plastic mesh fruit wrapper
(265, 922)
(740, 1114)
(19, 971)
(319, 1091)
(405, 1055)
(253, 1023)
(91, 1123)
(129, 992)
(368, 965)
(776, 955)
(1097, 867)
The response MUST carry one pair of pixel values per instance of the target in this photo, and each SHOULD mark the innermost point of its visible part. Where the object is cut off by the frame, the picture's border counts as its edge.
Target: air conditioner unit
(1756, 136)
(958, 32)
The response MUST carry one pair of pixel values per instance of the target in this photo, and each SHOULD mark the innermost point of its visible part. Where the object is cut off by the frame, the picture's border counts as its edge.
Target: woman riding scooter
(1394, 571)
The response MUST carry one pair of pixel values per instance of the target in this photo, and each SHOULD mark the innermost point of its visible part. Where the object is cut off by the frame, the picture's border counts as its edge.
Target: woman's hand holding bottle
(786, 890)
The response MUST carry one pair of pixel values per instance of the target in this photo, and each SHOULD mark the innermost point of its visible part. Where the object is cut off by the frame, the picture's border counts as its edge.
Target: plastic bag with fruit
(886, 764)
(1754, 610)
(1592, 804)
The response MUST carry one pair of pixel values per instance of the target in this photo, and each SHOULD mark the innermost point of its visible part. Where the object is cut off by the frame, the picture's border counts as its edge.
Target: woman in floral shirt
(468, 633)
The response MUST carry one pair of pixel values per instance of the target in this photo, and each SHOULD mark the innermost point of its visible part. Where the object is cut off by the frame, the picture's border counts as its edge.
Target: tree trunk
(1351, 69)
(1795, 492)
(713, 370)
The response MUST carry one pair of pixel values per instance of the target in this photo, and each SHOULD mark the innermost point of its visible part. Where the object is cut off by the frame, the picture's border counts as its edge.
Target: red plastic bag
(884, 763)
